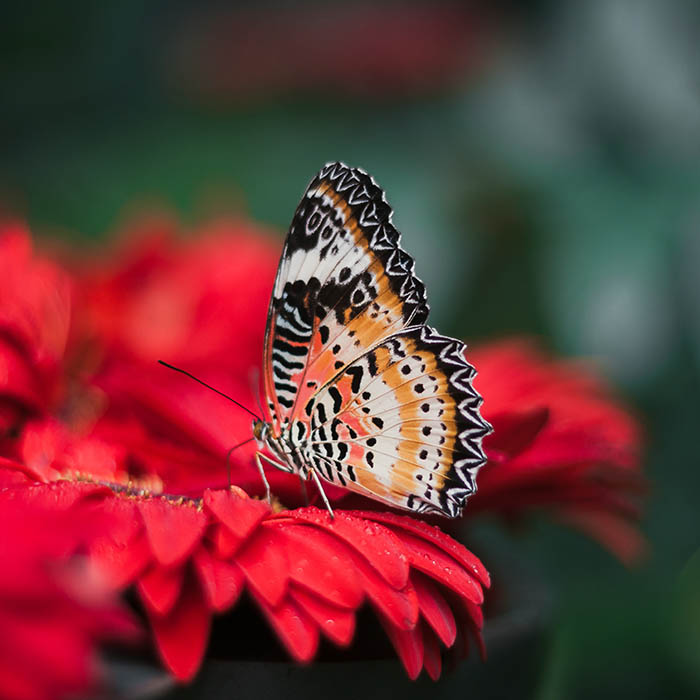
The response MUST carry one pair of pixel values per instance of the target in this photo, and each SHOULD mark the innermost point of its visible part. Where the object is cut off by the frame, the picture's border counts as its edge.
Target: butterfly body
(287, 453)
(362, 393)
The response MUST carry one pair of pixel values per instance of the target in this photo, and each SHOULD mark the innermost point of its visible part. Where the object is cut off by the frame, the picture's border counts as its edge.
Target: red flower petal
(436, 536)
(173, 529)
(442, 567)
(14, 473)
(121, 565)
(435, 609)
(265, 564)
(476, 614)
(223, 541)
(400, 607)
(222, 582)
(60, 652)
(338, 624)
(240, 515)
(124, 521)
(181, 636)
(62, 495)
(469, 622)
(318, 561)
(21, 683)
(298, 632)
(160, 587)
(432, 657)
(514, 431)
(378, 545)
(408, 645)
(481, 645)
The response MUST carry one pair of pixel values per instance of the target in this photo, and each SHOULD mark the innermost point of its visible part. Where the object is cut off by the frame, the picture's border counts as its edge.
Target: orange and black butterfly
(360, 391)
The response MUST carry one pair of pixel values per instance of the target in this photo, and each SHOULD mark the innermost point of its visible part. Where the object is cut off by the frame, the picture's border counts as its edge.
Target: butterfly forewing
(343, 284)
(371, 398)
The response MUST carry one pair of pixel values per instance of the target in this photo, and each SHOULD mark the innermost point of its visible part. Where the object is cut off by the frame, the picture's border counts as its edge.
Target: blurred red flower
(35, 299)
(199, 302)
(560, 442)
(54, 607)
(385, 51)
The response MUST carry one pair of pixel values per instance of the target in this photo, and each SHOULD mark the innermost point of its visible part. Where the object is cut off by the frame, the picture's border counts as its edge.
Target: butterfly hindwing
(343, 284)
(401, 424)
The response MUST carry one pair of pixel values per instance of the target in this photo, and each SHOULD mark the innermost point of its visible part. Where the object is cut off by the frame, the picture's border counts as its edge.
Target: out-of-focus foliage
(542, 160)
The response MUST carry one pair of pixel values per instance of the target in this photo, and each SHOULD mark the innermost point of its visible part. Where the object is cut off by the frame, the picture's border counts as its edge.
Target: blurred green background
(543, 160)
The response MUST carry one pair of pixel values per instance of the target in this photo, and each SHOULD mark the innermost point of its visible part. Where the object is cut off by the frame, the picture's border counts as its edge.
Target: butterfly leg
(285, 468)
(323, 493)
(304, 494)
(268, 496)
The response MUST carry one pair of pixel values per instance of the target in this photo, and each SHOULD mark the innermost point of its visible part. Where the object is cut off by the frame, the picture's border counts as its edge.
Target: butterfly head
(260, 430)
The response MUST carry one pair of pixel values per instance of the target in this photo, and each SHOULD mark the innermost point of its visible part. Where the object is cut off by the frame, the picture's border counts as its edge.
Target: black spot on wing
(356, 372)
(337, 397)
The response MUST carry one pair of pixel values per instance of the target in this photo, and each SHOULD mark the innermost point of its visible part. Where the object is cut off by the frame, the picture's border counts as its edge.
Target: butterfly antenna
(228, 457)
(221, 393)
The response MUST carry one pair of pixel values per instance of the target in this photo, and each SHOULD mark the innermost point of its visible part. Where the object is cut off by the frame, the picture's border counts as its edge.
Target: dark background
(543, 160)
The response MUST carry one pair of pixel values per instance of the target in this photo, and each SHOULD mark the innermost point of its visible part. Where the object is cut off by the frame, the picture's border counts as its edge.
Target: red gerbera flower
(560, 442)
(54, 608)
(191, 557)
(308, 573)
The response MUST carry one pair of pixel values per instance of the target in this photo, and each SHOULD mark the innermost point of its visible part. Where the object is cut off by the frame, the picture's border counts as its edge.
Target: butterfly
(362, 393)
